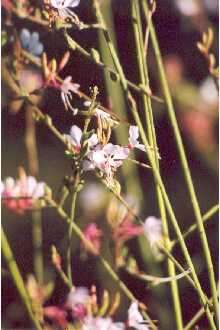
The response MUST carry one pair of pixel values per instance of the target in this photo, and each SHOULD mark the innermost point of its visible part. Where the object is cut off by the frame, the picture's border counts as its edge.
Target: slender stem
(115, 94)
(37, 245)
(30, 142)
(183, 158)
(81, 236)
(156, 280)
(76, 47)
(172, 216)
(70, 232)
(143, 71)
(82, 51)
(196, 318)
(17, 278)
(151, 158)
(164, 249)
(36, 61)
(207, 216)
(47, 120)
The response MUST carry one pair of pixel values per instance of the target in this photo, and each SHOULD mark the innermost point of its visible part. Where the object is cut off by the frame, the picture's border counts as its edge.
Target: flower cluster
(80, 304)
(20, 195)
(107, 158)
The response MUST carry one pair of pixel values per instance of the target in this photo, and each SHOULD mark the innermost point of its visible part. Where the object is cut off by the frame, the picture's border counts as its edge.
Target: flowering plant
(122, 228)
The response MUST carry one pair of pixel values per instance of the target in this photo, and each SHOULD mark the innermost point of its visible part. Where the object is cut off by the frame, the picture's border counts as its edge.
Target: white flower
(135, 319)
(133, 139)
(63, 7)
(79, 295)
(92, 197)
(153, 230)
(75, 138)
(208, 92)
(188, 7)
(66, 88)
(30, 42)
(100, 323)
(107, 159)
(60, 4)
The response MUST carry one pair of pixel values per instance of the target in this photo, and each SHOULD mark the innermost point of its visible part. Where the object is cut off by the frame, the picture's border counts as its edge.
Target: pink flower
(7, 4)
(93, 234)
(57, 315)
(127, 230)
(77, 301)
(19, 195)
(66, 88)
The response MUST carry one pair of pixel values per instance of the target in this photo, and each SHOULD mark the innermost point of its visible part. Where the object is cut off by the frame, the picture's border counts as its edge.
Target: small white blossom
(153, 230)
(208, 92)
(188, 7)
(100, 323)
(75, 138)
(133, 139)
(78, 295)
(63, 7)
(135, 319)
(92, 197)
(107, 159)
(66, 88)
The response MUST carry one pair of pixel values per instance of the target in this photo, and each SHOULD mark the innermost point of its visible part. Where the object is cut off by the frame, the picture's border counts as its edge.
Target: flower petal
(93, 140)
(76, 135)
(25, 37)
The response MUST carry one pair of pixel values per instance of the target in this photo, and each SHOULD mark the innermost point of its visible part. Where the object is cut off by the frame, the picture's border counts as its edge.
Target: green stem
(76, 47)
(172, 215)
(143, 71)
(116, 96)
(106, 265)
(37, 245)
(17, 279)
(207, 216)
(166, 199)
(183, 158)
(133, 108)
(70, 232)
(163, 248)
(196, 318)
